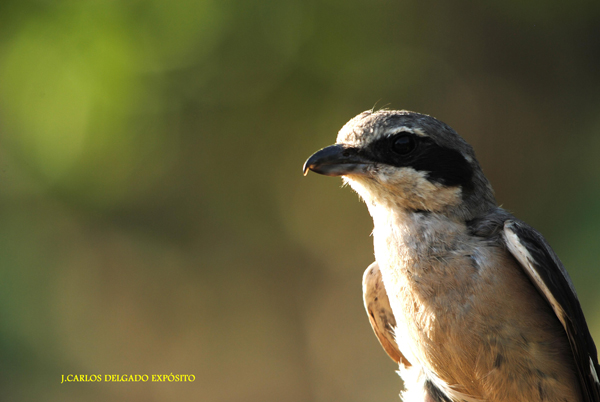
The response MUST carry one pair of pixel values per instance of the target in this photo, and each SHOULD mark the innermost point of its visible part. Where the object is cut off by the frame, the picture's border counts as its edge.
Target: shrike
(472, 303)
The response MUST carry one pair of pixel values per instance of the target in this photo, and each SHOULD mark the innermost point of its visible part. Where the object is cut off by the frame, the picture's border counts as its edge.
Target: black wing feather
(555, 279)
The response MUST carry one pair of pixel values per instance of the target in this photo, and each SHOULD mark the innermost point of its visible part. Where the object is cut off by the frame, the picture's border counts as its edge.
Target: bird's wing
(380, 313)
(551, 279)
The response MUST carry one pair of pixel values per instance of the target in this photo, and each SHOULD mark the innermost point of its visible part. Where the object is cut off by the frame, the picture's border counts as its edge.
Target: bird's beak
(337, 160)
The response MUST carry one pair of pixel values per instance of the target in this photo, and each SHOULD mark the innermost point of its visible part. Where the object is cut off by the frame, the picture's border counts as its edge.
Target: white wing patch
(519, 251)
(593, 371)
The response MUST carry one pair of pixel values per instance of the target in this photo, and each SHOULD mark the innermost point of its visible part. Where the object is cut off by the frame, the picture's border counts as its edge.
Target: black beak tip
(306, 167)
(311, 163)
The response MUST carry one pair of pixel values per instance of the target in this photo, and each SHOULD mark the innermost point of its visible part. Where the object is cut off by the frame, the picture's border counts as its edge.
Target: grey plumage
(484, 310)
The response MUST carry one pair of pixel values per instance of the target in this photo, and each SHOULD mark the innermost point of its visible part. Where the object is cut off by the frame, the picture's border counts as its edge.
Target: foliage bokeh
(154, 218)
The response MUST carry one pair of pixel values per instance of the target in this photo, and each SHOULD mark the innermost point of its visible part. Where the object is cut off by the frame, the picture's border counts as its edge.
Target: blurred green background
(153, 214)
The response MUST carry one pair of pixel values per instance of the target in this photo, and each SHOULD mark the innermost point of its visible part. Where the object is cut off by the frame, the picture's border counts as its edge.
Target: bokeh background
(153, 214)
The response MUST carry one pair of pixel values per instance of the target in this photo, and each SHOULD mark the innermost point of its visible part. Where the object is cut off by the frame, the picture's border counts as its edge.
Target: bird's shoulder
(547, 273)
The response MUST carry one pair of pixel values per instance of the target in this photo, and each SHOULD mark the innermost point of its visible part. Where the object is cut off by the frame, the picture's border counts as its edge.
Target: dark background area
(153, 214)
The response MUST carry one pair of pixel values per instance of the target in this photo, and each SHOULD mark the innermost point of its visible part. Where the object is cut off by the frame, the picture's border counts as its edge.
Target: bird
(471, 303)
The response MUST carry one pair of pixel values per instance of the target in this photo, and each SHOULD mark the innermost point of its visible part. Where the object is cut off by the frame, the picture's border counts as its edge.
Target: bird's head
(407, 160)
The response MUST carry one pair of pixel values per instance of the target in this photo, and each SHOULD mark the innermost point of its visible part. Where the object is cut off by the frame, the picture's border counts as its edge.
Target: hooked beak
(337, 160)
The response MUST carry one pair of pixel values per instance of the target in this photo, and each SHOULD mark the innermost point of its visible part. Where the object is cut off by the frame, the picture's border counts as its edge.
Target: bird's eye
(404, 144)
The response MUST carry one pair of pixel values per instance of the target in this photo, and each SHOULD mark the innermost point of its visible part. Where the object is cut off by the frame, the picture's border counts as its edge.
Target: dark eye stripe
(443, 165)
